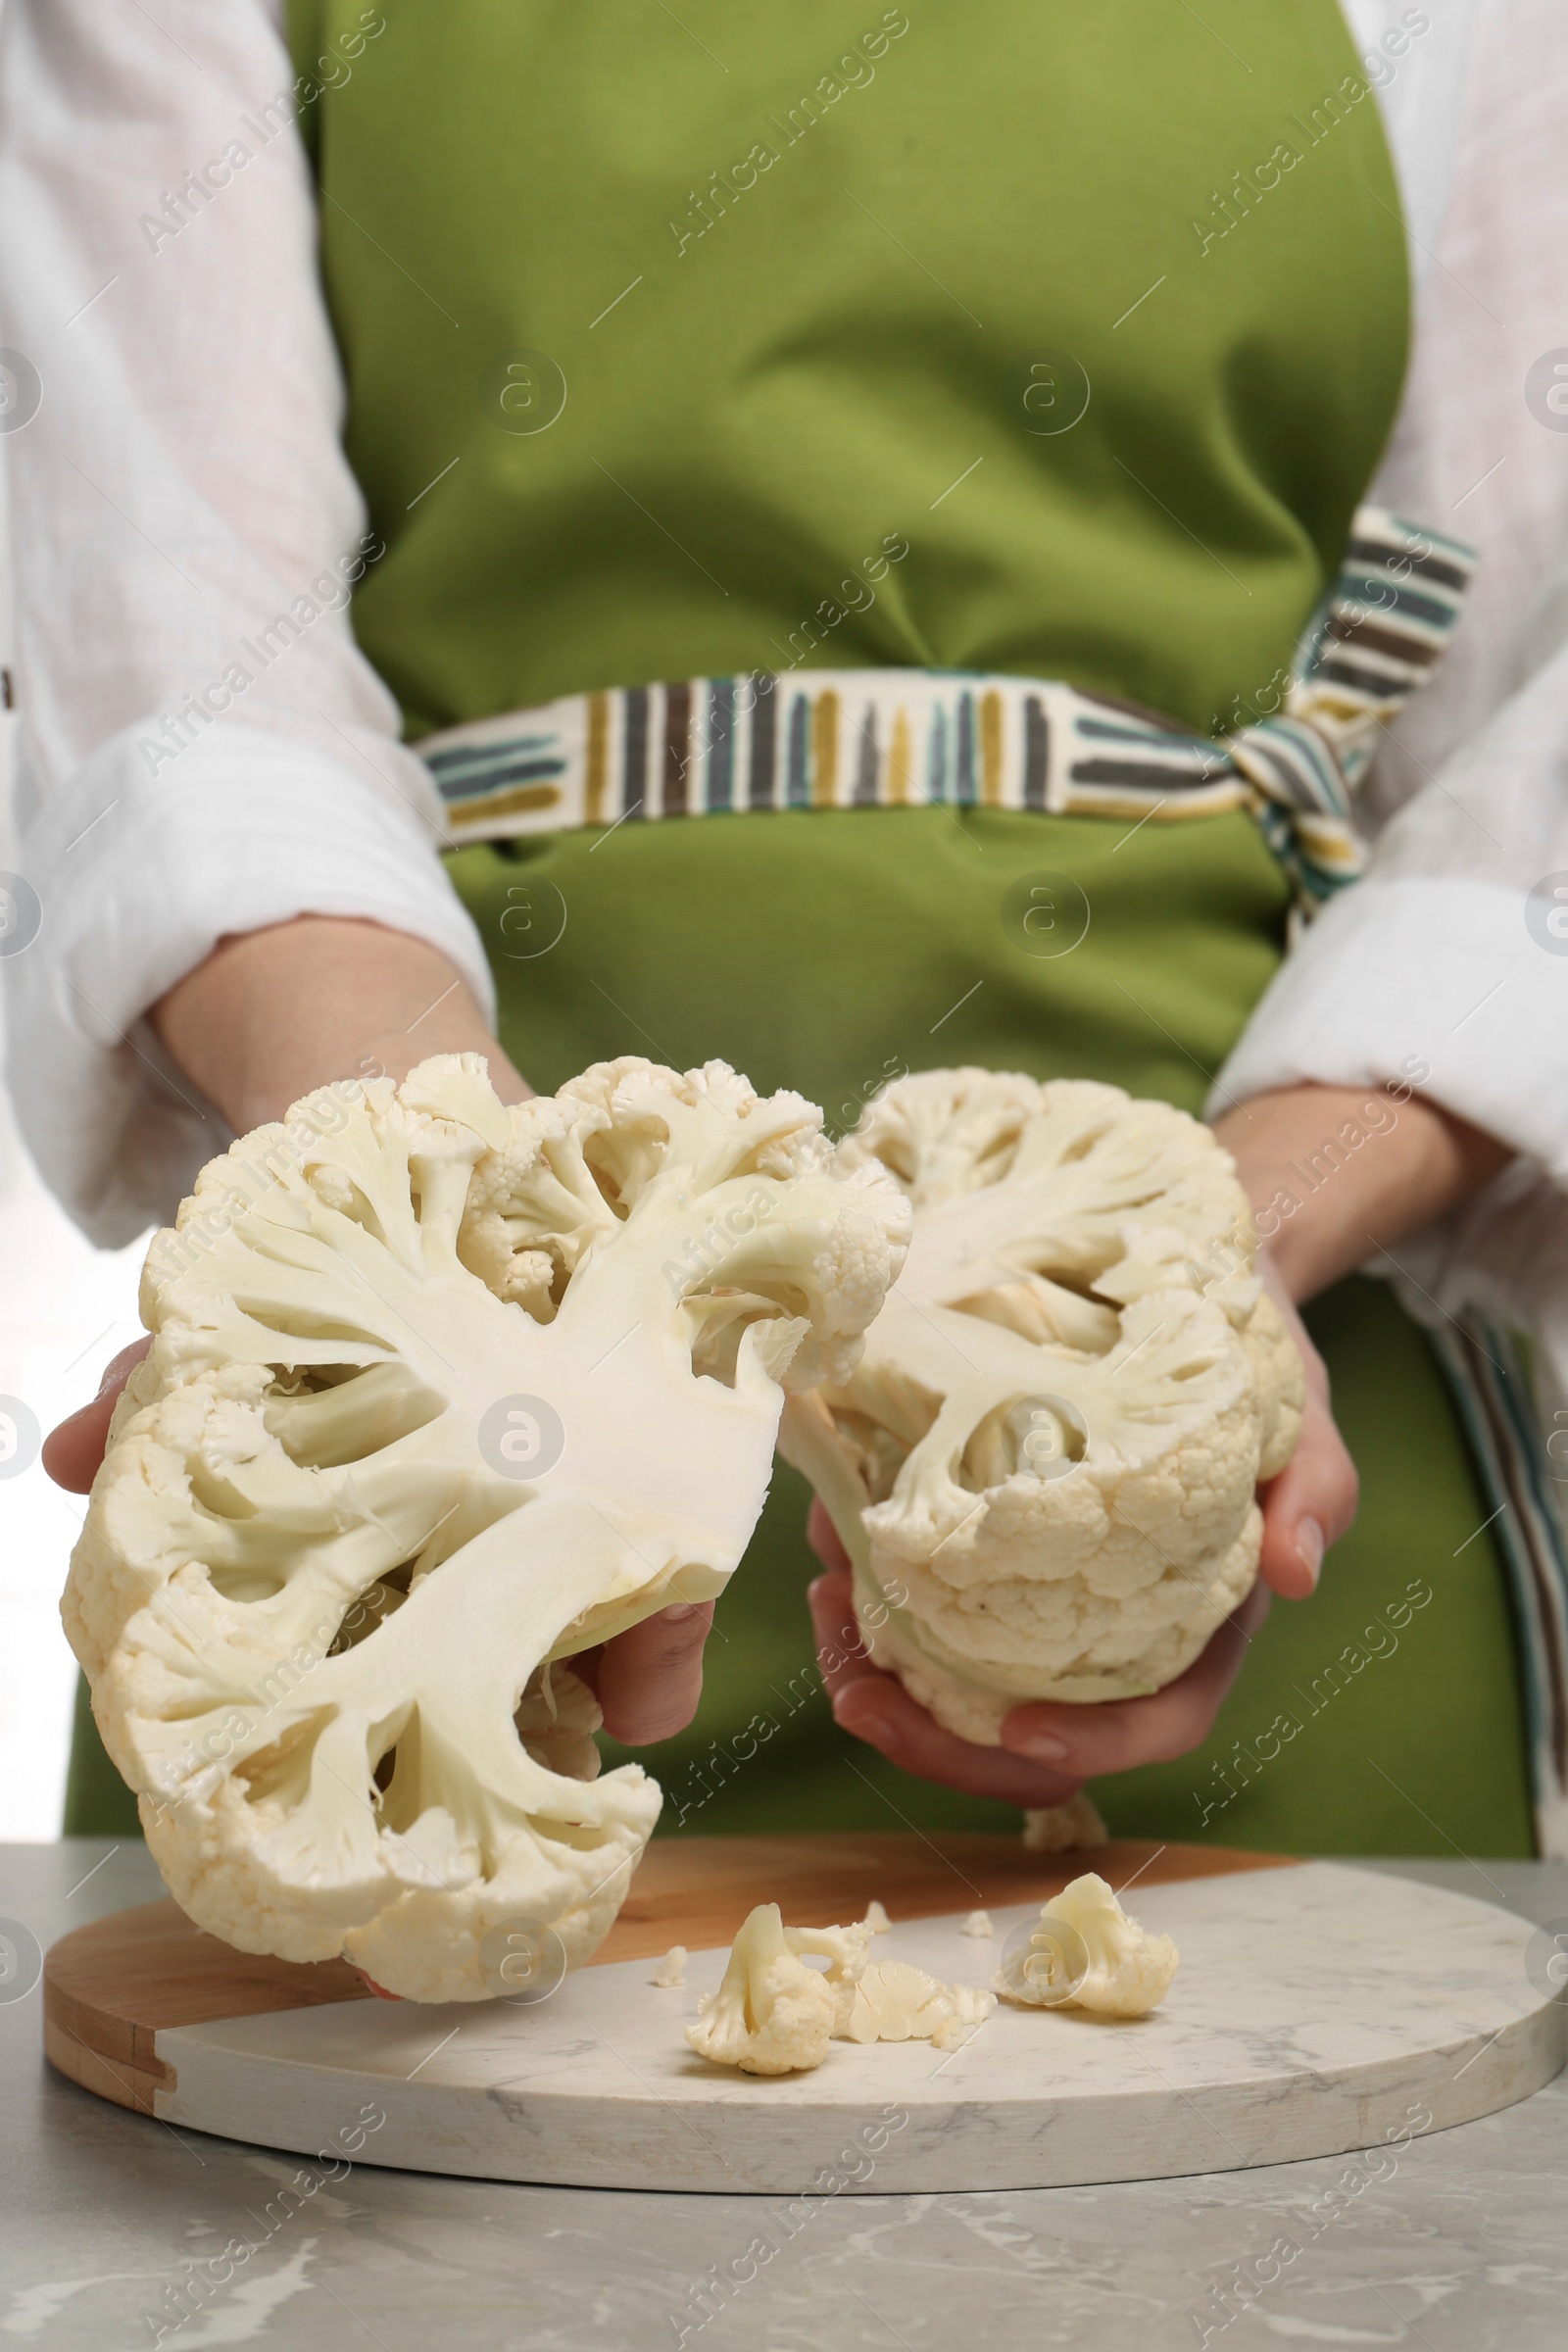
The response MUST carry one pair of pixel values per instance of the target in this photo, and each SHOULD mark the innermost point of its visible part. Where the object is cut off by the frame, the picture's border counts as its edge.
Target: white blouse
(183, 479)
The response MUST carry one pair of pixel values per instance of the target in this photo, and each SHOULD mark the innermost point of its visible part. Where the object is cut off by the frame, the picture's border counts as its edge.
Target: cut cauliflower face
(1044, 1467)
(773, 2014)
(441, 1394)
(1084, 1953)
(894, 2001)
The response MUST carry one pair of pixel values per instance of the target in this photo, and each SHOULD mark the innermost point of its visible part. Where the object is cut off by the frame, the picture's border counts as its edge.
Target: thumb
(72, 1452)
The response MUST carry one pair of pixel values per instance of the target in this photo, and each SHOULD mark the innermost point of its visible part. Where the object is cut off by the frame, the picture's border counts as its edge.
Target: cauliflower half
(442, 1393)
(1044, 1466)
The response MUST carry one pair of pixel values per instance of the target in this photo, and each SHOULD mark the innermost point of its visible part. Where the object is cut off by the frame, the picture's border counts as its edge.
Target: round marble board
(1318, 2008)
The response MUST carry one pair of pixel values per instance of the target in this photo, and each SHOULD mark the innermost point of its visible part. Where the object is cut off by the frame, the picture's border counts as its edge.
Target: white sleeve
(1445, 953)
(202, 748)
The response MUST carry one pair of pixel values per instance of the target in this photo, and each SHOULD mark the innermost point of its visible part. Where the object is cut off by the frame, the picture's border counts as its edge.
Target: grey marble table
(106, 2218)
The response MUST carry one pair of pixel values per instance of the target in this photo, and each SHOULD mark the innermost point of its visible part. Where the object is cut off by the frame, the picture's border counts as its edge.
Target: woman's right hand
(270, 1016)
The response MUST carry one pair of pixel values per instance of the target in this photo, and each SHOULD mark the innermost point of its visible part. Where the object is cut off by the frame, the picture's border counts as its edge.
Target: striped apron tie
(769, 740)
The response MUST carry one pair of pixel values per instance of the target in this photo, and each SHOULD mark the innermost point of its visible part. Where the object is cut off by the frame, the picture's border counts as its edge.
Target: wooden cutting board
(1318, 2008)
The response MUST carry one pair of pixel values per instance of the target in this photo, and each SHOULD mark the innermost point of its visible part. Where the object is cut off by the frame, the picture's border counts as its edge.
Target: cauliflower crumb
(671, 1970)
(1061, 1828)
(978, 1923)
(876, 1918)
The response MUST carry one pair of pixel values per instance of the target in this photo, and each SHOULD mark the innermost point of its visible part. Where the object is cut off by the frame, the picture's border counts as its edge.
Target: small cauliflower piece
(1043, 1468)
(442, 1393)
(671, 1971)
(1061, 1828)
(1121, 1971)
(876, 1918)
(894, 2001)
(978, 1923)
(772, 2014)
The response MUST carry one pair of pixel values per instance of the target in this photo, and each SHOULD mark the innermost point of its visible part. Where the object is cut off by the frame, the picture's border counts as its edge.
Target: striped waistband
(763, 741)
(816, 739)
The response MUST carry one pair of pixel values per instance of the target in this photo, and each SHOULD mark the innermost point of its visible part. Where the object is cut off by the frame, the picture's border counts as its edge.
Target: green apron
(654, 328)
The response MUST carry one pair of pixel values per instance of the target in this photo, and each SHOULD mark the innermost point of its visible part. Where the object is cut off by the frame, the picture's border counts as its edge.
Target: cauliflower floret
(1043, 1468)
(670, 1974)
(772, 2014)
(442, 1393)
(1086, 1953)
(894, 2001)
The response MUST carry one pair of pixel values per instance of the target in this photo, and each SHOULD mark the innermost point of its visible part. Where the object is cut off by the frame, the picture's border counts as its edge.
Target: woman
(689, 371)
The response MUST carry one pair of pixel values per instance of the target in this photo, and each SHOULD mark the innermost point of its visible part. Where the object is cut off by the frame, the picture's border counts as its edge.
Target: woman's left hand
(1413, 1162)
(1046, 1752)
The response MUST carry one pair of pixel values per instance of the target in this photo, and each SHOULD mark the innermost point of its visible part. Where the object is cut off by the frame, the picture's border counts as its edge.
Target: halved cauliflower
(440, 1395)
(772, 2014)
(1043, 1468)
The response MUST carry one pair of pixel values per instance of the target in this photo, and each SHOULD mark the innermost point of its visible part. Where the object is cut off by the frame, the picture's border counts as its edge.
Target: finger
(1115, 1735)
(843, 1652)
(72, 1452)
(381, 1991)
(651, 1677)
(584, 1664)
(823, 1537)
(1308, 1506)
(875, 1707)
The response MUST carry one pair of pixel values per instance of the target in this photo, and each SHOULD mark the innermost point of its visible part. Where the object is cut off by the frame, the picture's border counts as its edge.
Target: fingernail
(1044, 1746)
(1309, 1547)
(877, 1729)
(680, 1612)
